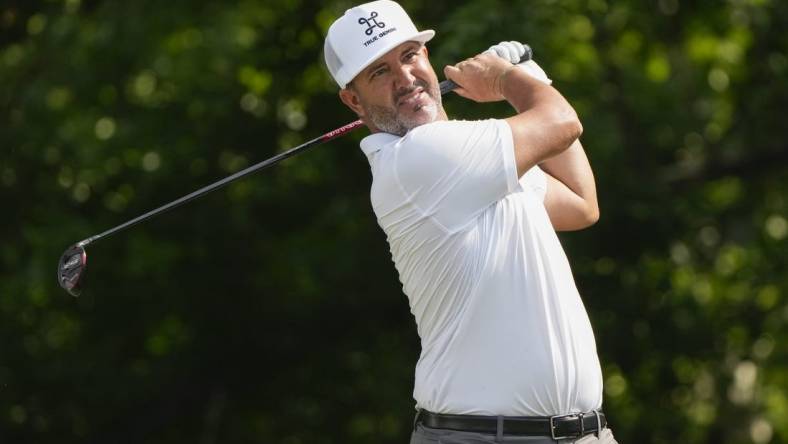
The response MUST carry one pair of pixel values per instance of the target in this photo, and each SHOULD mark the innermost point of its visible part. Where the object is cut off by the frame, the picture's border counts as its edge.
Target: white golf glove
(513, 52)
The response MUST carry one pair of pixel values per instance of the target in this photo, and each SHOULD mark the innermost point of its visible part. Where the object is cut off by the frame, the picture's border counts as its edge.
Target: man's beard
(388, 120)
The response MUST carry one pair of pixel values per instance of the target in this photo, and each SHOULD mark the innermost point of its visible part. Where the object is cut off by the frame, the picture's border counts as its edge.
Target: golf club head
(71, 269)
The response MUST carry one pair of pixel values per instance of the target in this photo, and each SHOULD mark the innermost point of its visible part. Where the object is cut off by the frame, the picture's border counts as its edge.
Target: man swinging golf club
(470, 210)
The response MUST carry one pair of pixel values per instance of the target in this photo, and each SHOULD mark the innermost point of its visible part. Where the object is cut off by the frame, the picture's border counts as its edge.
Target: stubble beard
(388, 120)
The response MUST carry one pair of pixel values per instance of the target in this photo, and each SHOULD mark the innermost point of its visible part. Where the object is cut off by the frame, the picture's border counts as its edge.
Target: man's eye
(377, 73)
(410, 55)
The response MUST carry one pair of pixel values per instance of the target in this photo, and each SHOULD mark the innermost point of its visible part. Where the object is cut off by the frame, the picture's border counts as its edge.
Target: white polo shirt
(503, 329)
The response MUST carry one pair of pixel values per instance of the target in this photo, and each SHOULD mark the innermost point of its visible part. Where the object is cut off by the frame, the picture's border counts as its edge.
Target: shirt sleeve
(535, 180)
(452, 170)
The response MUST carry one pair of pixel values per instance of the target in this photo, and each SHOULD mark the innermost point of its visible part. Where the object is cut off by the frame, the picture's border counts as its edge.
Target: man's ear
(350, 98)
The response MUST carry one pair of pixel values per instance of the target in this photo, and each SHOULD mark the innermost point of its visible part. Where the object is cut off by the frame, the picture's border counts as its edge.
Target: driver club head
(71, 269)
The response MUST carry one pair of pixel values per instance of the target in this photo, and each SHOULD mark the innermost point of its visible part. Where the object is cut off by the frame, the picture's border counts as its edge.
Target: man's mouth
(410, 98)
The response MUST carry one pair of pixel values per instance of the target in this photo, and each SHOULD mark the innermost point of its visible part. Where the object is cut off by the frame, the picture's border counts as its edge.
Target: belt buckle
(552, 426)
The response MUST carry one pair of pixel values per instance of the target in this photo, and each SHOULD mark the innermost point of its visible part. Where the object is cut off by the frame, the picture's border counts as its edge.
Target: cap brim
(421, 37)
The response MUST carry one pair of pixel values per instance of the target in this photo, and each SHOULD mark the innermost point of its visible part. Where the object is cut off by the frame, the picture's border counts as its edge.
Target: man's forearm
(546, 124)
(571, 168)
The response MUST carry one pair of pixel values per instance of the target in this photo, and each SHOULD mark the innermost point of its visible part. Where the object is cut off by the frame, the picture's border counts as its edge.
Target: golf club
(73, 263)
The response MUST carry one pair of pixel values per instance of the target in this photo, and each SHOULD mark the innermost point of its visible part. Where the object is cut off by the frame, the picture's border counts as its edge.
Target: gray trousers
(427, 435)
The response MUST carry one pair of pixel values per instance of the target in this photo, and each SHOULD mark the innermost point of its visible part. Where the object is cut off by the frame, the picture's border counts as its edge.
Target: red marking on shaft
(342, 130)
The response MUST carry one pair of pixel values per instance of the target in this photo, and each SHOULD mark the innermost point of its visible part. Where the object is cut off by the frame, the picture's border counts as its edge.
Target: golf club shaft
(445, 87)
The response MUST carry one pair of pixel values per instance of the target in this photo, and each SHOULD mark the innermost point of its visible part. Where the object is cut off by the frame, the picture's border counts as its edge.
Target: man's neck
(374, 130)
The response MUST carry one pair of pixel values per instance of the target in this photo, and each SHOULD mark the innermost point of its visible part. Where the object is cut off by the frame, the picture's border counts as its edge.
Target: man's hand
(514, 52)
(511, 51)
(479, 78)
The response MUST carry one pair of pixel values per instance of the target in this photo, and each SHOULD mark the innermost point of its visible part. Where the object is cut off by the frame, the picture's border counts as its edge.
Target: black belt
(557, 427)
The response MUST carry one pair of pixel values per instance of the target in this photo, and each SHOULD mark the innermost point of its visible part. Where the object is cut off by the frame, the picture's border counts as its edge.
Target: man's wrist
(499, 81)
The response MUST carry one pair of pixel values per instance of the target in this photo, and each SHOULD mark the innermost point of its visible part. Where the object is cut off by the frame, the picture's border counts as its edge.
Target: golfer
(470, 210)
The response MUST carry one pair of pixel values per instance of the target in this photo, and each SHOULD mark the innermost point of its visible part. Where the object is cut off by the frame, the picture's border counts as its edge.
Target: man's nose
(404, 77)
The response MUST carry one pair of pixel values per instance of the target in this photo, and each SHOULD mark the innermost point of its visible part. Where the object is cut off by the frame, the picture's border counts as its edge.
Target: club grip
(448, 85)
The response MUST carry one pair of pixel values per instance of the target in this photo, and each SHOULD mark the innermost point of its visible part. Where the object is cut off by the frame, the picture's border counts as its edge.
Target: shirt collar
(375, 142)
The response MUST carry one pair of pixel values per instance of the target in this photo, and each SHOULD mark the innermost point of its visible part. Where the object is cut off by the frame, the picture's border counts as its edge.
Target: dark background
(270, 311)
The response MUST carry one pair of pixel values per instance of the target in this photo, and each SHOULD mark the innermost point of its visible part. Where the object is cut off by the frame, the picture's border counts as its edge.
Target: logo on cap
(371, 23)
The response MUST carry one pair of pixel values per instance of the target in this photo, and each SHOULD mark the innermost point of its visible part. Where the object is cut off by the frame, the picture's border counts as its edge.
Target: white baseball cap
(364, 34)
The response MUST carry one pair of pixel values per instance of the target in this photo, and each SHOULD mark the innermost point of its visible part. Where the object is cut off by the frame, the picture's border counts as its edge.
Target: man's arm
(570, 200)
(545, 132)
(546, 124)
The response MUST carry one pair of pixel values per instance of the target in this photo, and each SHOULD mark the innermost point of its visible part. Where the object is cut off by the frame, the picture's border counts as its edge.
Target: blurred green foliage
(270, 311)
